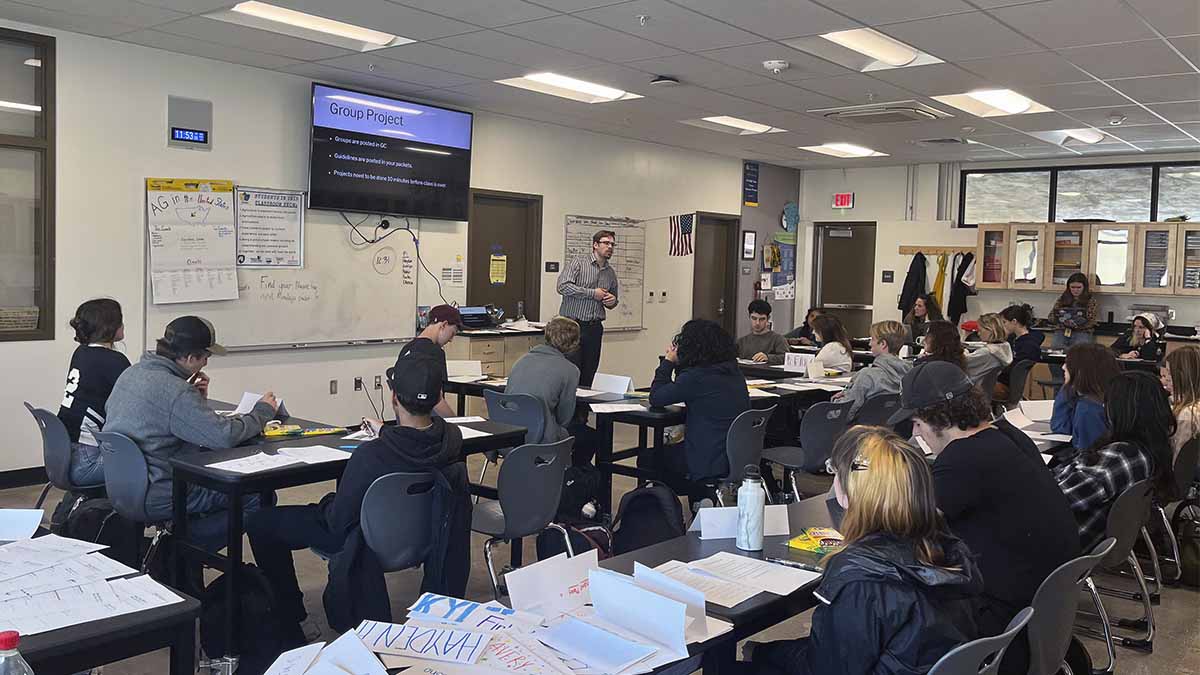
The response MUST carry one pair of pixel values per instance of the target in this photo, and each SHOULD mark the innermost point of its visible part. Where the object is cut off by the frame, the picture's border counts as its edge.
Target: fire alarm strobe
(776, 67)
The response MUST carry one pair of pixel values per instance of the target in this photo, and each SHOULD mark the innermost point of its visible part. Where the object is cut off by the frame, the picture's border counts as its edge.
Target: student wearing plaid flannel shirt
(1137, 447)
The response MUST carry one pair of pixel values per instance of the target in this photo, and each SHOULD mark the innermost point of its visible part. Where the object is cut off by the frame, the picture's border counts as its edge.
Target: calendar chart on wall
(628, 261)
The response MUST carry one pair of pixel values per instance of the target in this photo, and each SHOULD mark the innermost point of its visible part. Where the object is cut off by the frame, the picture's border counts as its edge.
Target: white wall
(111, 114)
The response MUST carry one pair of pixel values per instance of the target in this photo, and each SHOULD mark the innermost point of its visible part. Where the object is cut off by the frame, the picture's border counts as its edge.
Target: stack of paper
(810, 386)
(315, 454)
(759, 574)
(255, 463)
(760, 393)
(602, 408)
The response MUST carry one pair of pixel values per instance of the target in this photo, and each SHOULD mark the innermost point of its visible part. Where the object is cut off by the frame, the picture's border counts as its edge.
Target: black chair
(127, 480)
(56, 455)
(982, 656)
(821, 426)
(395, 516)
(520, 410)
(986, 381)
(1018, 375)
(1184, 474)
(876, 411)
(1054, 608)
(743, 447)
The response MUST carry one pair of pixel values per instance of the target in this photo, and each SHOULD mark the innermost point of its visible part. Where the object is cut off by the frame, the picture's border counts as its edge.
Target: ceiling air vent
(942, 141)
(895, 112)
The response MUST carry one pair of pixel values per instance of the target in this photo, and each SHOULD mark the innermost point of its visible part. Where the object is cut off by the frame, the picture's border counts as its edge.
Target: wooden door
(1156, 266)
(713, 276)
(1187, 260)
(992, 256)
(1026, 260)
(1068, 251)
(1112, 257)
(504, 245)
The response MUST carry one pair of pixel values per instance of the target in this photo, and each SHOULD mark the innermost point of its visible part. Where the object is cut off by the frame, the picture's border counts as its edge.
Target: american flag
(681, 234)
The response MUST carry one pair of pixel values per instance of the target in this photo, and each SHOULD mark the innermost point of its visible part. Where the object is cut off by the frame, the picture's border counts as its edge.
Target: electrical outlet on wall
(333, 387)
(379, 382)
(662, 297)
(358, 384)
(649, 296)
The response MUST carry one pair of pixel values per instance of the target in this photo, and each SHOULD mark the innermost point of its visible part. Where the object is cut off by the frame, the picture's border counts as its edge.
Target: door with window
(845, 278)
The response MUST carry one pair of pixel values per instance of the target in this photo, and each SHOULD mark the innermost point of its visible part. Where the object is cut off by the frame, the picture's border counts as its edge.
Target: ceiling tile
(1098, 117)
(331, 75)
(616, 75)
(1178, 112)
(208, 50)
(191, 6)
(1130, 59)
(576, 5)
(1074, 96)
(714, 102)
(1009, 141)
(486, 13)
(584, 37)
(874, 12)
(801, 66)
(381, 15)
(1148, 132)
(670, 25)
(940, 78)
(784, 96)
(775, 18)
(16, 11)
(961, 36)
(1170, 17)
(1192, 128)
(495, 45)
(1026, 69)
(124, 11)
(1050, 121)
(427, 54)
(1189, 47)
(856, 89)
(398, 70)
(1161, 89)
(1073, 23)
(243, 37)
(992, 4)
(697, 70)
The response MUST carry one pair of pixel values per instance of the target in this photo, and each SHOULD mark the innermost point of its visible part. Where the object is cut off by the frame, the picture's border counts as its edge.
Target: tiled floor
(1176, 646)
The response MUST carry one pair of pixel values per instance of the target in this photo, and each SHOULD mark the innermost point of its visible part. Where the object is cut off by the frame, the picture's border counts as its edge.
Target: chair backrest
(522, 410)
(530, 485)
(823, 423)
(1126, 517)
(744, 442)
(1017, 376)
(396, 519)
(1054, 607)
(56, 447)
(986, 381)
(1185, 468)
(126, 476)
(876, 410)
(981, 656)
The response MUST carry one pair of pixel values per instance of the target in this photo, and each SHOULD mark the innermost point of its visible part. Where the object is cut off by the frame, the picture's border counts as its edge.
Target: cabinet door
(1187, 260)
(1067, 252)
(1025, 261)
(1113, 256)
(992, 256)
(1156, 267)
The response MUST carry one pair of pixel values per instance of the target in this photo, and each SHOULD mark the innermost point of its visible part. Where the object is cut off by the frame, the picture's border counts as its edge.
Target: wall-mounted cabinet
(1113, 255)
(1027, 252)
(1187, 260)
(1068, 251)
(992, 260)
(1156, 265)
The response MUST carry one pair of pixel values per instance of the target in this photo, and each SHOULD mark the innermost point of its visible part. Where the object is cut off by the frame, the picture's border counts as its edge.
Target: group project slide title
(389, 118)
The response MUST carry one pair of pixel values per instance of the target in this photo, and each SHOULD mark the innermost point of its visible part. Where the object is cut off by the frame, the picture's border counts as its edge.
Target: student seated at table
(1078, 412)
(95, 367)
(1136, 448)
(356, 588)
(994, 490)
(547, 373)
(161, 403)
(1180, 376)
(803, 334)
(904, 589)
(761, 344)
(1026, 344)
(835, 349)
(995, 354)
(700, 369)
(444, 321)
(885, 372)
(942, 343)
(1141, 341)
(925, 310)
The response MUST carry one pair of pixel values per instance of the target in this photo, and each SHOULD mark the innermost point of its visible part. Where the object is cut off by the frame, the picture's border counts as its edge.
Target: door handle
(721, 308)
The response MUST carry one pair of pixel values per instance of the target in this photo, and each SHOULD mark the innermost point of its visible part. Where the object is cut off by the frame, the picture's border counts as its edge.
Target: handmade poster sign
(423, 642)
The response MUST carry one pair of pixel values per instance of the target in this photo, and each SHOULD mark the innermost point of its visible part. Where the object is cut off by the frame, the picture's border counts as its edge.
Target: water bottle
(752, 505)
(11, 662)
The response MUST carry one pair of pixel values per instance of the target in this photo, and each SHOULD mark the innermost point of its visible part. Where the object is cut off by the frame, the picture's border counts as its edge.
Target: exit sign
(843, 200)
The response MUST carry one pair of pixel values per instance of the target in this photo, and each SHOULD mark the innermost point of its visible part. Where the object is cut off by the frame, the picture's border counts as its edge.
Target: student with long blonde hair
(1180, 376)
(902, 592)
(996, 353)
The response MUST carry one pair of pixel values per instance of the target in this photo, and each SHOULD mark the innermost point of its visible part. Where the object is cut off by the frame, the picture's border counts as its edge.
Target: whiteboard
(343, 294)
(628, 261)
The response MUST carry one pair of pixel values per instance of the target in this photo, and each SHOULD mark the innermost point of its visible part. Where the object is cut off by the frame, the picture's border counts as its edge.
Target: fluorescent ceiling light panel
(843, 150)
(744, 127)
(286, 21)
(429, 151)
(1089, 136)
(876, 45)
(568, 87)
(24, 107)
(993, 103)
(36, 63)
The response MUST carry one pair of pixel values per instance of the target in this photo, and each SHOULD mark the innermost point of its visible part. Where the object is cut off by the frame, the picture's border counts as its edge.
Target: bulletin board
(628, 261)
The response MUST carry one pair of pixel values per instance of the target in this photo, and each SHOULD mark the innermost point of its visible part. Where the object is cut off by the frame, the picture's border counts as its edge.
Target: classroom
(719, 296)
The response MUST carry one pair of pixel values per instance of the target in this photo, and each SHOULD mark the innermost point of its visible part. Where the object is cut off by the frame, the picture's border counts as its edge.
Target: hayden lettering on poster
(270, 228)
(192, 240)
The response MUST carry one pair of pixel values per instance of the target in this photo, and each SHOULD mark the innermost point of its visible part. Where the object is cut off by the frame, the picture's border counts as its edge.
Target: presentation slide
(372, 154)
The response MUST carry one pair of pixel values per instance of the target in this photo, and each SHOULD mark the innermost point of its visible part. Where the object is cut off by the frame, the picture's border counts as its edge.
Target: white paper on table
(620, 602)
(748, 362)
(295, 661)
(27, 556)
(81, 604)
(351, 655)
(255, 463)
(760, 574)
(700, 626)
(810, 386)
(720, 522)
(468, 614)
(72, 572)
(1038, 411)
(468, 432)
(325, 668)
(815, 369)
(424, 667)
(757, 383)
(436, 643)
(19, 523)
(463, 420)
(315, 454)
(499, 381)
(467, 379)
(844, 379)
(464, 369)
(603, 408)
(598, 648)
(1017, 418)
(796, 362)
(759, 393)
(1053, 438)
(580, 392)
(613, 384)
(716, 590)
(360, 435)
(552, 586)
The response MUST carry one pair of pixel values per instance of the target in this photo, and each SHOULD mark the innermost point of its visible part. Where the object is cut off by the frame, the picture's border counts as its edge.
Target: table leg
(659, 438)
(462, 404)
(720, 659)
(233, 562)
(183, 649)
(641, 438)
(516, 552)
(604, 450)
(179, 489)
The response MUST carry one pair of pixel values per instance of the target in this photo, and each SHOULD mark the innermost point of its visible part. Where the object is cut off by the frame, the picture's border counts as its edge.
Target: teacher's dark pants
(587, 357)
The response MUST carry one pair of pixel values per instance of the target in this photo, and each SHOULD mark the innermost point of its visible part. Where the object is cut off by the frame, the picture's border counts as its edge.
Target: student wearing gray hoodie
(884, 375)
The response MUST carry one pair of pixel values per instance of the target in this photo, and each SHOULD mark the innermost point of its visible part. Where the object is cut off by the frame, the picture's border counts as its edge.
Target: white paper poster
(192, 240)
(270, 228)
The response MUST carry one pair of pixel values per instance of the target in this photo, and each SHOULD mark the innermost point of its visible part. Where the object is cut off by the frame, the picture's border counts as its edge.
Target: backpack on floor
(584, 535)
(581, 484)
(260, 637)
(647, 515)
(1187, 531)
(70, 501)
(95, 520)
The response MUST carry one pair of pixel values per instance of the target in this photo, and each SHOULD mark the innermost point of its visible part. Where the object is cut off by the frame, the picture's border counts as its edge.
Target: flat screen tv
(372, 154)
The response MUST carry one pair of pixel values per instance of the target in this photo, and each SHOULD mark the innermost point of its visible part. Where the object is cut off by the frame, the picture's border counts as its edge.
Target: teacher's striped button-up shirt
(576, 283)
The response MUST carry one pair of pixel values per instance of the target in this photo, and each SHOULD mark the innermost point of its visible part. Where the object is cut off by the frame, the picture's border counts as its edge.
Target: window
(1003, 197)
(1179, 192)
(26, 186)
(1118, 194)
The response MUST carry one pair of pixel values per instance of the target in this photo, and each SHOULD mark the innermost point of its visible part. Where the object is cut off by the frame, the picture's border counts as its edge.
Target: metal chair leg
(795, 488)
(487, 555)
(1105, 633)
(42, 497)
(566, 537)
(1145, 643)
(1174, 559)
(767, 493)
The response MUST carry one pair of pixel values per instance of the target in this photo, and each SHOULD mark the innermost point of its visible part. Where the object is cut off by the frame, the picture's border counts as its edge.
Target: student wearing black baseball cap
(444, 323)
(417, 442)
(996, 493)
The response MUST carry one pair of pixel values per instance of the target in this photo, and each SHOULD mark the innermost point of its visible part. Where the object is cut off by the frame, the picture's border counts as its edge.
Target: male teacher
(588, 286)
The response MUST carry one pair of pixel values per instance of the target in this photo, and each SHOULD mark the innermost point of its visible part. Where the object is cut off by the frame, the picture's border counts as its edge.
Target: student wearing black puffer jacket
(903, 591)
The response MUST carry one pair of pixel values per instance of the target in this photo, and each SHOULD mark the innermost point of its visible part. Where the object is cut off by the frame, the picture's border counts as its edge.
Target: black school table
(78, 648)
(192, 468)
(465, 389)
(756, 614)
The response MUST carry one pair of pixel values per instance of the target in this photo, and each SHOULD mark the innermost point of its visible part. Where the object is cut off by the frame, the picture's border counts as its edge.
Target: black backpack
(95, 520)
(260, 637)
(581, 484)
(647, 515)
(584, 535)
(1186, 525)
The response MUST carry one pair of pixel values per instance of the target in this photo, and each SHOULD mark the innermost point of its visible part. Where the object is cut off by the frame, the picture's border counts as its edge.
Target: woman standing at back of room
(1079, 405)
(925, 310)
(835, 343)
(95, 367)
(1074, 314)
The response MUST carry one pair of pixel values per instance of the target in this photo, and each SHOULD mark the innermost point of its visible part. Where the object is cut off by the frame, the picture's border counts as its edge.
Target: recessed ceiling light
(1089, 135)
(1070, 194)
(876, 45)
(732, 125)
(568, 87)
(24, 107)
(843, 150)
(429, 151)
(993, 103)
(286, 21)
(36, 63)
